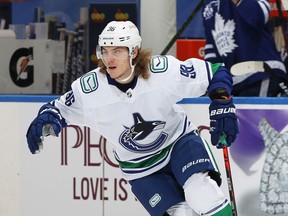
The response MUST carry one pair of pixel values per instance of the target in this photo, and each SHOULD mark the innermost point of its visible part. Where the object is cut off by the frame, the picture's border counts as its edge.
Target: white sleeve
(71, 106)
(191, 77)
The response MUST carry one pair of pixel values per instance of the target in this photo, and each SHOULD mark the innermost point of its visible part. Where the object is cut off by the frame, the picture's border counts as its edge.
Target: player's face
(117, 62)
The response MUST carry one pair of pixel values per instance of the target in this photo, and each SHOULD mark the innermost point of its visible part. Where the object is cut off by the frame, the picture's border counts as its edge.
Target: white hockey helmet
(119, 33)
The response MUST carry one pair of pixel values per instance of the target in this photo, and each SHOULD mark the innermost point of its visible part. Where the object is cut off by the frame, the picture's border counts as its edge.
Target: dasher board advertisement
(26, 66)
(77, 174)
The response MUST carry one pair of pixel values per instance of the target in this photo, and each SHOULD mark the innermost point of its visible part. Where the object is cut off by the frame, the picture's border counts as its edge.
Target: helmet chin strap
(127, 79)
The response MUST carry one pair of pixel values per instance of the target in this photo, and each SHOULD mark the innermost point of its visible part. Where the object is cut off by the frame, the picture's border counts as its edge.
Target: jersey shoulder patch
(89, 82)
(158, 64)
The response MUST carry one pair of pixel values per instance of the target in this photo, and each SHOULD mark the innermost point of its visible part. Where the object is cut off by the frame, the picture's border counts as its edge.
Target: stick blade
(246, 67)
(285, 4)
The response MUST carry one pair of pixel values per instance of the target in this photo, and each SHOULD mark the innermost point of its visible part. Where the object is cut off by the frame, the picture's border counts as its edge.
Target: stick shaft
(282, 22)
(243, 68)
(229, 181)
(182, 28)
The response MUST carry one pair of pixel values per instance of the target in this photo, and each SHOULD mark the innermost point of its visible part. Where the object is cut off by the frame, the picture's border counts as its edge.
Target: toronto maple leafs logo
(223, 35)
(131, 137)
(274, 180)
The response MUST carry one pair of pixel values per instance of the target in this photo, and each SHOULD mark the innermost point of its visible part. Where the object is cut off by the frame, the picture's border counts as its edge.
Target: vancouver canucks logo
(132, 138)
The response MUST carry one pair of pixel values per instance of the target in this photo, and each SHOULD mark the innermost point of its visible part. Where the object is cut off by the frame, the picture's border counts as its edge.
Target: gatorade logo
(201, 52)
(21, 70)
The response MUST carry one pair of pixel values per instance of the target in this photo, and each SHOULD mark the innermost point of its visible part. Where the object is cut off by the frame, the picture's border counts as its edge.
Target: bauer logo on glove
(223, 111)
(223, 120)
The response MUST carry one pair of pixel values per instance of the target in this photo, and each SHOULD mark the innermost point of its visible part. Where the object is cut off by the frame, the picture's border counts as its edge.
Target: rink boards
(76, 173)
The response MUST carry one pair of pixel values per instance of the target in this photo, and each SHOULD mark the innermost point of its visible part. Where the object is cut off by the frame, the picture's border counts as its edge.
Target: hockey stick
(285, 4)
(282, 23)
(258, 66)
(182, 28)
(229, 176)
(68, 62)
(59, 81)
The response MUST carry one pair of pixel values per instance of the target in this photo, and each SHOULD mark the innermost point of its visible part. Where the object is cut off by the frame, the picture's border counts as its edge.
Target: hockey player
(131, 99)
(238, 31)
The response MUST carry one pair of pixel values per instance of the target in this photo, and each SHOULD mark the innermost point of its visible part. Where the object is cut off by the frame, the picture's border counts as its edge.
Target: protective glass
(118, 52)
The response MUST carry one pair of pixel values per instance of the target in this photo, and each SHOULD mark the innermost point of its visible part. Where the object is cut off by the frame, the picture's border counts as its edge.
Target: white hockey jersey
(142, 123)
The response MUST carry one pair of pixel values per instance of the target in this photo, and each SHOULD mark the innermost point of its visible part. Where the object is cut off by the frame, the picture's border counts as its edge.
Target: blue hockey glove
(223, 122)
(48, 122)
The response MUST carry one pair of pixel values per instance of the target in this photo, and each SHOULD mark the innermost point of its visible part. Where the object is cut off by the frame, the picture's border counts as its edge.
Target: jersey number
(188, 71)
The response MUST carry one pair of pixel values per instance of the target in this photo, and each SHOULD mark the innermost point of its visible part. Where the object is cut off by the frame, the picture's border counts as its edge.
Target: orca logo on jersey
(141, 129)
